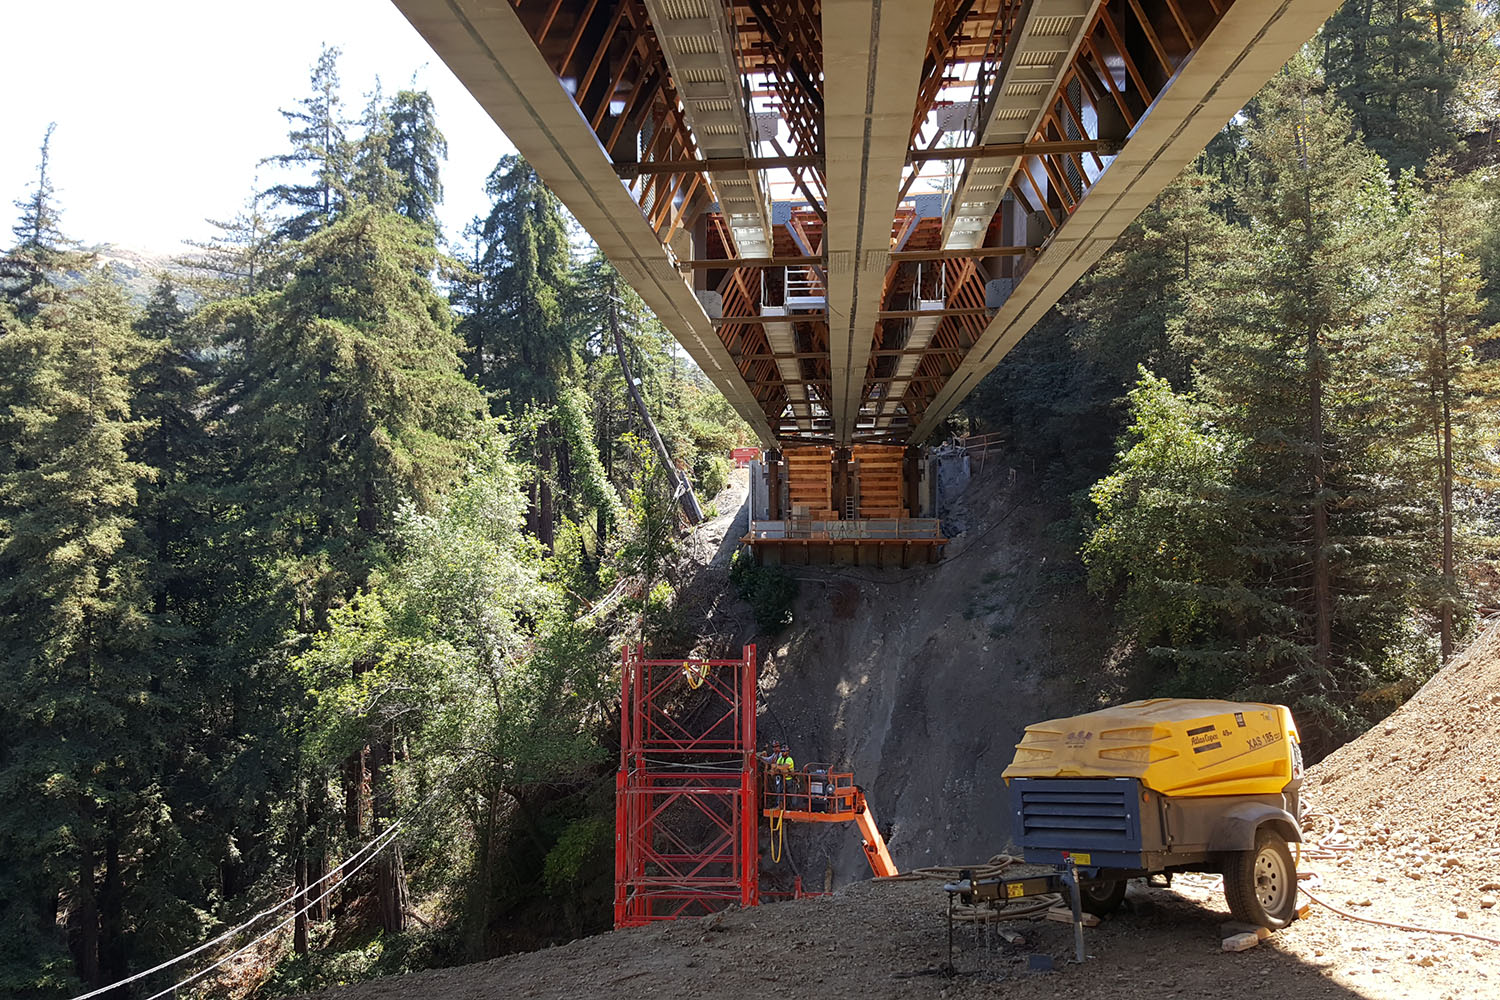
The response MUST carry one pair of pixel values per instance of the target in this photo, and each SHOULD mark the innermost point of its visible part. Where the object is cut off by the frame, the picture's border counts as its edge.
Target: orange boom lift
(819, 794)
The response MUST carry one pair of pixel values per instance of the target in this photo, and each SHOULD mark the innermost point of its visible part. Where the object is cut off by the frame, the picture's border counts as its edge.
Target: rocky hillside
(921, 681)
(137, 271)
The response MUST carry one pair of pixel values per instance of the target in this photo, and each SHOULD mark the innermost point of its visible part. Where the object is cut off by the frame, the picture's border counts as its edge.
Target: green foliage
(1273, 531)
(580, 844)
(350, 400)
(770, 590)
(711, 474)
(272, 575)
(320, 145)
(354, 962)
(1418, 75)
(1162, 534)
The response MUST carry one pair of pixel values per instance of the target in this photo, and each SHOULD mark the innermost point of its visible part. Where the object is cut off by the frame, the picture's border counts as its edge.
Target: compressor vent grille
(1077, 814)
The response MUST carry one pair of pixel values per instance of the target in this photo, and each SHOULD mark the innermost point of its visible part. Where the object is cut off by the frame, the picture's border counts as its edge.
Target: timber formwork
(845, 506)
(686, 797)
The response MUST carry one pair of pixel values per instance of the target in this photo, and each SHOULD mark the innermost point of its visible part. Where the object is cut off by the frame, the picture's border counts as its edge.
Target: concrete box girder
(872, 62)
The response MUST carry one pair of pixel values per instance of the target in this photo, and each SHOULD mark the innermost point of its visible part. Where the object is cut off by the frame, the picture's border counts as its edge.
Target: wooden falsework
(1062, 198)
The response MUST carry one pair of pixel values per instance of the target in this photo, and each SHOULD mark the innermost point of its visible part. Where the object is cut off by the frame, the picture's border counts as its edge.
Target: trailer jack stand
(1075, 896)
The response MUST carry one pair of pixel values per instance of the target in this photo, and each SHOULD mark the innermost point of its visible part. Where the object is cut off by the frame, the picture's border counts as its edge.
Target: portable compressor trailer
(1151, 788)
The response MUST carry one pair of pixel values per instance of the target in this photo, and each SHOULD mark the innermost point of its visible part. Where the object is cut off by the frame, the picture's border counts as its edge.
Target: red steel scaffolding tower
(686, 801)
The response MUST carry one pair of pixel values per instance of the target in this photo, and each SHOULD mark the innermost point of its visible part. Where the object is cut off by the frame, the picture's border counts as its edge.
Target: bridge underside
(848, 211)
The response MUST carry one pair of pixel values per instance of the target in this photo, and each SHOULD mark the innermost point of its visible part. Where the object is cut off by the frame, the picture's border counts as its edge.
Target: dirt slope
(920, 681)
(1434, 764)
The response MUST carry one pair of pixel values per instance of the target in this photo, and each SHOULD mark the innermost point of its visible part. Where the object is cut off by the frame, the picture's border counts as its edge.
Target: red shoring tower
(679, 779)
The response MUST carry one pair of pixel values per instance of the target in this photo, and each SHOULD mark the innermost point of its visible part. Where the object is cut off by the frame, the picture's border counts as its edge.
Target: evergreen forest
(332, 538)
(326, 551)
(1272, 408)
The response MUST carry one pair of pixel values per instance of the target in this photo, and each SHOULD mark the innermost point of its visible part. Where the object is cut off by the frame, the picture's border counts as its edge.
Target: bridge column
(774, 510)
(911, 467)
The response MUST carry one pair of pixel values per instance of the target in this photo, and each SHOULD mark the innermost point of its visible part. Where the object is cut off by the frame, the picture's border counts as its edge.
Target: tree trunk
(113, 962)
(1445, 614)
(683, 486)
(354, 780)
(86, 940)
(299, 877)
(390, 872)
(546, 532)
(1322, 583)
(317, 851)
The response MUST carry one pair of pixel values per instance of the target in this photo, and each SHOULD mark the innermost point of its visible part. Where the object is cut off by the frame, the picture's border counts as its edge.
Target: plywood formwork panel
(809, 479)
(879, 471)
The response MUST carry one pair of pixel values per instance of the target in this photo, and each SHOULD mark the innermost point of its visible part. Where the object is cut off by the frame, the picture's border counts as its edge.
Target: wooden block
(1063, 915)
(1240, 942)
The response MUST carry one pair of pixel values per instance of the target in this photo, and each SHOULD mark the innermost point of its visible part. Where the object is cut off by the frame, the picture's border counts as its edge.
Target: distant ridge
(137, 271)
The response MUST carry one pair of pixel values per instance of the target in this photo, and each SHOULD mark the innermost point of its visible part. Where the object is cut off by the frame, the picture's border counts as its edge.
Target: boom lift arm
(875, 850)
(818, 794)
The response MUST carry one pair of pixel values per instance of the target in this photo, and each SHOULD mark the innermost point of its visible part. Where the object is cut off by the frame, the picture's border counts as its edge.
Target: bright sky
(164, 107)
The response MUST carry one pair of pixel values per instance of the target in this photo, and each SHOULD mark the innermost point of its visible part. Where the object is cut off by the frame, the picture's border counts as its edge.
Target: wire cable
(1396, 926)
(370, 847)
(257, 918)
(387, 837)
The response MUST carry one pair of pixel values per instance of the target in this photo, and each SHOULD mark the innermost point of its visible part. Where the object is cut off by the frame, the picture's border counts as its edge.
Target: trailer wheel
(1261, 885)
(1103, 897)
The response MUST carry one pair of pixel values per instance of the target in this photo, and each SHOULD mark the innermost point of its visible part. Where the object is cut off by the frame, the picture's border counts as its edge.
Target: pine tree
(79, 737)
(1417, 74)
(1455, 378)
(523, 343)
(517, 326)
(241, 260)
(319, 145)
(1290, 334)
(417, 149)
(372, 181)
(41, 249)
(350, 400)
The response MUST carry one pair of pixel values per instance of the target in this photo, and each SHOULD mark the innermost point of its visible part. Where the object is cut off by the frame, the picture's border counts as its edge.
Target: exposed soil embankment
(921, 680)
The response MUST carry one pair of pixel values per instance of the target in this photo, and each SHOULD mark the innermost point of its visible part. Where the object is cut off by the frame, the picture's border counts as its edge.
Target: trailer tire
(1103, 897)
(1260, 885)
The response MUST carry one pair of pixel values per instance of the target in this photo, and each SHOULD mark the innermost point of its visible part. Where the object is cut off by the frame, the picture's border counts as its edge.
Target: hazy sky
(164, 107)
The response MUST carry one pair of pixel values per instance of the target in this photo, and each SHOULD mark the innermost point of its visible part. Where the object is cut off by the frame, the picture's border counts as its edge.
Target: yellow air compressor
(1156, 787)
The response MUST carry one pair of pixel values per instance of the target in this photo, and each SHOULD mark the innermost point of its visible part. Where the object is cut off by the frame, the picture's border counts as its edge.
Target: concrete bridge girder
(872, 60)
(1247, 47)
(1081, 112)
(491, 52)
